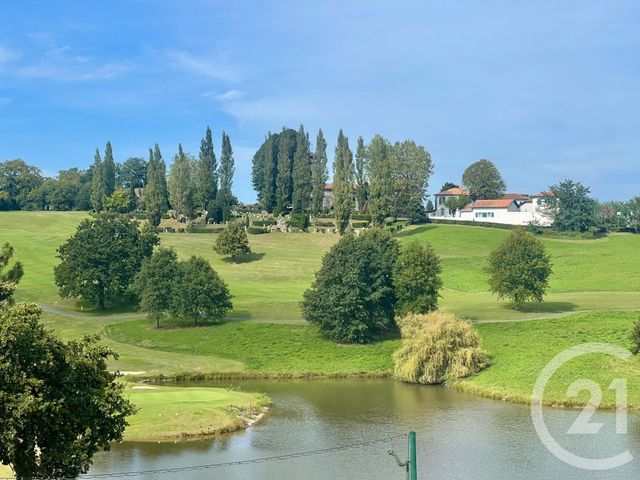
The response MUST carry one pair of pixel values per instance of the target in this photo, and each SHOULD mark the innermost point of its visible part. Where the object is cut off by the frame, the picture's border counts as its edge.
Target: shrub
(299, 221)
(635, 337)
(361, 216)
(324, 223)
(359, 224)
(437, 347)
(416, 276)
(233, 241)
(204, 229)
(264, 223)
(257, 230)
(519, 269)
(352, 299)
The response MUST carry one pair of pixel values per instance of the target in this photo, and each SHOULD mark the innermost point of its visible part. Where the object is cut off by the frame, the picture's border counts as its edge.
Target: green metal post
(413, 468)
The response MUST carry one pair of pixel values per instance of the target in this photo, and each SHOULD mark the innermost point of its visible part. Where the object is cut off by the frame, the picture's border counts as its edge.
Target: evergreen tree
(155, 193)
(343, 183)
(381, 179)
(109, 170)
(98, 187)
(302, 187)
(206, 172)
(227, 166)
(181, 184)
(361, 180)
(162, 173)
(284, 181)
(319, 173)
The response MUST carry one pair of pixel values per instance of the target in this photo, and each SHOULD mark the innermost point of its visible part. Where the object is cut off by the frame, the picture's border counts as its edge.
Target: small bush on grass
(233, 241)
(264, 223)
(437, 347)
(635, 337)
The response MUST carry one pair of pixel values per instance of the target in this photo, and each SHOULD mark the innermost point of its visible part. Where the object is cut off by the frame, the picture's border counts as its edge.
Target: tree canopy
(233, 241)
(417, 280)
(101, 258)
(343, 183)
(59, 403)
(570, 207)
(8, 279)
(519, 269)
(352, 298)
(483, 181)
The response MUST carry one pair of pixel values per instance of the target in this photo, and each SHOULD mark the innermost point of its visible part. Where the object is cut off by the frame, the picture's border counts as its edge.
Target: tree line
(383, 178)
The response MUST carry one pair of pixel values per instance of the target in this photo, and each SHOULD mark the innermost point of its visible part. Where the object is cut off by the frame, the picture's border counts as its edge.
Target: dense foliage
(343, 183)
(99, 261)
(233, 241)
(519, 269)
(352, 299)
(417, 280)
(156, 193)
(437, 347)
(570, 207)
(58, 402)
(483, 180)
(8, 279)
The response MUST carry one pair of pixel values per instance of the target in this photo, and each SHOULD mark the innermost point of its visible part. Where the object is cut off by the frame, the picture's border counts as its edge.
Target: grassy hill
(588, 274)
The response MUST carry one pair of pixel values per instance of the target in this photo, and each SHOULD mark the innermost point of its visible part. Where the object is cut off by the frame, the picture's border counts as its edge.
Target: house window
(490, 214)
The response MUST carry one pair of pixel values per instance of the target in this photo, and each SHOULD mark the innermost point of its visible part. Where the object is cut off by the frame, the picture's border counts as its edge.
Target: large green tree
(101, 258)
(156, 283)
(483, 181)
(380, 173)
(59, 403)
(284, 181)
(132, 173)
(156, 199)
(206, 174)
(361, 174)
(301, 176)
(417, 280)
(343, 183)
(319, 173)
(352, 298)
(200, 295)
(227, 164)
(412, 168)
(18, 183)
(631, 214)
(181, 188)
(8, 279)
(570, 207)
(109, 170)
(98, 185)
(519, 269)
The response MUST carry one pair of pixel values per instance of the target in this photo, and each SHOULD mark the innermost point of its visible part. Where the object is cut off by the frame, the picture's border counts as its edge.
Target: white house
(511, 209)
(441, 209)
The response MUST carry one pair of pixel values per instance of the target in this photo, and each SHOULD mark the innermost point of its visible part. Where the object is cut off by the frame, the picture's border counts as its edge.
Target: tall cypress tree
(361, 179)
(109, 170)
(153, 201)
(162, 174)
(301, 197)
(180, 184)
(284, 182)
(206, 172)
(98, 187)
(271, 172)
(319, 173)
(227, 165)
(343, 183)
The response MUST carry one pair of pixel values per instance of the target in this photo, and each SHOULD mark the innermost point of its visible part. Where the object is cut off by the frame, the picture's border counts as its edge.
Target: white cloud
(204, 66)
(73, 71)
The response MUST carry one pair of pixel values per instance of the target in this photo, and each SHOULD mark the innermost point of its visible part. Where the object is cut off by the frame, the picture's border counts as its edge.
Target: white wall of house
(508, 216)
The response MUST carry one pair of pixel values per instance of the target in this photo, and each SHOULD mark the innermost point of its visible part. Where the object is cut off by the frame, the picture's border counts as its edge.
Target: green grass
(520, 350)
(167, 413)
(268, 285)
(262, 347)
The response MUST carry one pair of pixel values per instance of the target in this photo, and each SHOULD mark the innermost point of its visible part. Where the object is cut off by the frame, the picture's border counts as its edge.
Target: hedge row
(256, 230)
(264, 223)
(203, 229)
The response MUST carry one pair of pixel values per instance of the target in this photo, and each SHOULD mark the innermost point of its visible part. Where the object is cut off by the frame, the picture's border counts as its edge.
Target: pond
(459, 436)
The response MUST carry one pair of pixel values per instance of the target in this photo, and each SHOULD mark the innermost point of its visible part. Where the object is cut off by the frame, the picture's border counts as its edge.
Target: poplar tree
(227, 166)
(380, 175)
(155, 191)
(301, 200)
(206, 172)
(109, 170)
(270, 172)
(180, 184)
(319, 173)
(361, 180)
(98, 187)
(284, 181)
(343, 183)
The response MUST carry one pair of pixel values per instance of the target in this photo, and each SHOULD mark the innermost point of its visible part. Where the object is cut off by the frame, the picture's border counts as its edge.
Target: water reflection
(459, 437)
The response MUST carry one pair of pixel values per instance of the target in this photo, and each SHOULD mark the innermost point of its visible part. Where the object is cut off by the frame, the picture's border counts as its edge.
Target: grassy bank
(520, 350)
(168, 414)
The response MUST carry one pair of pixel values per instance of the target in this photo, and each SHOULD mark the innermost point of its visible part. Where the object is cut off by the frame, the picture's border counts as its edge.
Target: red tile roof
(453, 191)
(517, 196)
(502, 203)
(328, 186)
(543, 194)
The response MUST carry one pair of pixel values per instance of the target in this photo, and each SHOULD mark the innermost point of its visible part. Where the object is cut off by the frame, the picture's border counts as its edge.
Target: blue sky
(546, 89)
